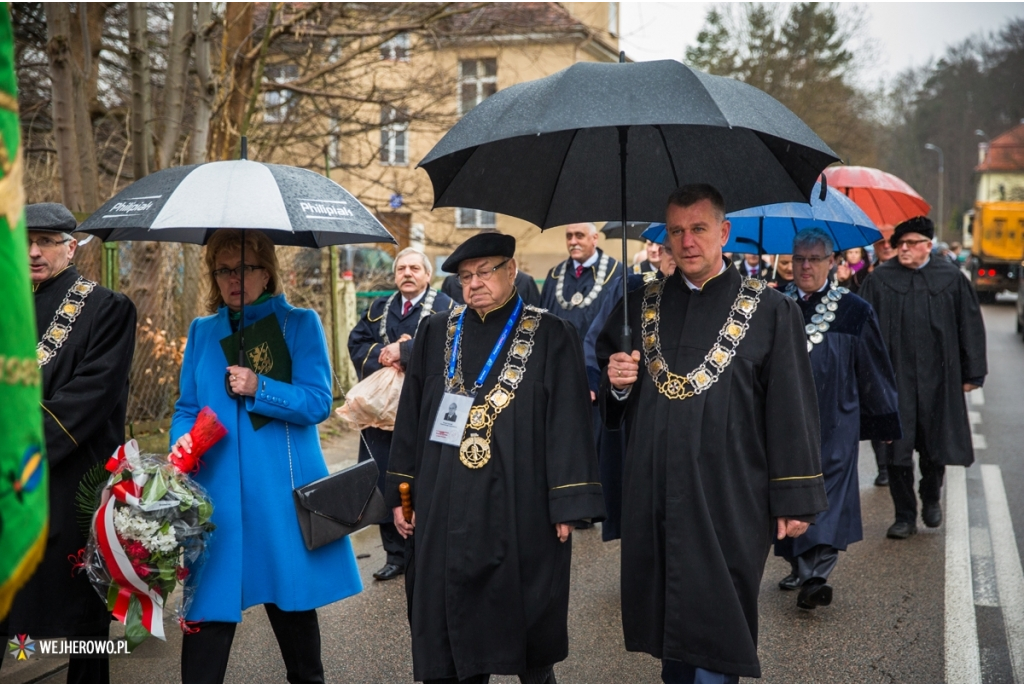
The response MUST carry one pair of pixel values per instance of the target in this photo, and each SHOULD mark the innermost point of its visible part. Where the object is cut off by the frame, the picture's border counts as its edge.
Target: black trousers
(394, 544)
(901, 486)
(880, 456)
(817, 562)
(204, 654)
(539, 676)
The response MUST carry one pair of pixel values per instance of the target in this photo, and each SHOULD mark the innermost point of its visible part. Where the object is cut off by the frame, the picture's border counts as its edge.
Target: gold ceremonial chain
(428, 303)
(824, 313)
(475, 450)
(674, 386)
(578, 300)
(68, 310)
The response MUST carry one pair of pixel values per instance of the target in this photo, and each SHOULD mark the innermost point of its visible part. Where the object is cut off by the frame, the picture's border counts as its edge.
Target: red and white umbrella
(888, 200)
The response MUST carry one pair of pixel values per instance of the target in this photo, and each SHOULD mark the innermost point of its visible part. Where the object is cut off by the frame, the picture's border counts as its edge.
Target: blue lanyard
(494, 353)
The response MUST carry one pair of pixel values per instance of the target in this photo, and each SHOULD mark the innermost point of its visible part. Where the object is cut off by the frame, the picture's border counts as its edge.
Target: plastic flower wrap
(151, 525)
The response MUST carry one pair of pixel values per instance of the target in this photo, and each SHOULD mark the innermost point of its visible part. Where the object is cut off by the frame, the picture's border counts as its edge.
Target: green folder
(265, 353)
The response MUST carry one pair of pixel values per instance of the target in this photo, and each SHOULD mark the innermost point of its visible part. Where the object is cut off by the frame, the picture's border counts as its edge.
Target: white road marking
(963, 659)
(983, 566)
(1009, 575)
(978, 441)
(974, 417)
(977, 397)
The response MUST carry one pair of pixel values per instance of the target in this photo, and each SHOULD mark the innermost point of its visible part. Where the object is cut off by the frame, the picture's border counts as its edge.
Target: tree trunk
(235, 77)
(58, 26)
(207, 87)
(82, 66)
(140, 114)
(174, 88)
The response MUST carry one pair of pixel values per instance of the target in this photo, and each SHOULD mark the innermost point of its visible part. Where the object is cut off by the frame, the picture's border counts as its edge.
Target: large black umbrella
(186, 204)
(576, 145)
(634, 230)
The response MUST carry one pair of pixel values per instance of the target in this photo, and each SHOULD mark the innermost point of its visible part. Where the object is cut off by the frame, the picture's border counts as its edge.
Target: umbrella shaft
(626, 341)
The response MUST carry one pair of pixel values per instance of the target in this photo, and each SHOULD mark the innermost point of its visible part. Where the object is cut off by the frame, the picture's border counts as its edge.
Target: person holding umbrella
(842, 337)
(257, 555)
(724, 447)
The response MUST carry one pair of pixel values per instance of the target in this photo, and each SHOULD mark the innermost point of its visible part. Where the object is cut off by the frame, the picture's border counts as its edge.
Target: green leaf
(87, 499)
(205, 510)
(112, 591)
(134, 631)
(155, 488)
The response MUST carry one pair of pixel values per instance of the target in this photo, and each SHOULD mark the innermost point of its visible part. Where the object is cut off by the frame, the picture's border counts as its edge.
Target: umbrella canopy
(187, 204)
(634, 229)
(888, 200)
(770, 229)
(548, 151)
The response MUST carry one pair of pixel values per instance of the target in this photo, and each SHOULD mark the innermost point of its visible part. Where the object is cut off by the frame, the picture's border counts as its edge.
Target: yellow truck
(997, 247)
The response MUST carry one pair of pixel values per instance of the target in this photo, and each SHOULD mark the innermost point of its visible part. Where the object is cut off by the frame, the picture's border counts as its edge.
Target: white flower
(144, 530)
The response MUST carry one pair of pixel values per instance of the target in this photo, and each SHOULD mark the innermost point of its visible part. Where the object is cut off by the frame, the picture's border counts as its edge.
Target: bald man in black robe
(724, 448)
(487, 575)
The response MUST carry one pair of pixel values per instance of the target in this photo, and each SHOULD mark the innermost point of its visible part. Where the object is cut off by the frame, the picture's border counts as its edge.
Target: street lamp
(942, 175)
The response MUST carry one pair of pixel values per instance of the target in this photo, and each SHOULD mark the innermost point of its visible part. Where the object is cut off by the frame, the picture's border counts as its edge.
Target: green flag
(23, 476)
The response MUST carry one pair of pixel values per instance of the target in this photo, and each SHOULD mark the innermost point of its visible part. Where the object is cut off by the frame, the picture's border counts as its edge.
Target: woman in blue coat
(257, 555)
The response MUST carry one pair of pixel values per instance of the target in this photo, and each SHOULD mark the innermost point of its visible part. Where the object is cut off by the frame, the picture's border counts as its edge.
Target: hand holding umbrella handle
(404, 491)
(227, 386)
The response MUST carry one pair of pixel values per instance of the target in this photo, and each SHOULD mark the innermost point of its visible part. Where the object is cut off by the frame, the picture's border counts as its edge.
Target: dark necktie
(579, 271)
(406, 308)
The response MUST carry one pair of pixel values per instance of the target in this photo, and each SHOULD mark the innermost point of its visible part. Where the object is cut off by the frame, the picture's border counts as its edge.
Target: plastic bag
(373, 401)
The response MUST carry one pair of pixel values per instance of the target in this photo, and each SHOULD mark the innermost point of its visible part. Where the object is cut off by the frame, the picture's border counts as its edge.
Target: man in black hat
(498, 491)
(932, 327)
(86, 343)
(384, 338)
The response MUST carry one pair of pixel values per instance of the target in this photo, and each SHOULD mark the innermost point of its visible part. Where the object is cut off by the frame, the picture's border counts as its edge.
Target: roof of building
(1005, 152)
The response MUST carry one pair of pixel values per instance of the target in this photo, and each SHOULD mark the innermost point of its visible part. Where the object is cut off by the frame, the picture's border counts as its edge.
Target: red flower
(141, 570)
(181, 572)
(136, 551)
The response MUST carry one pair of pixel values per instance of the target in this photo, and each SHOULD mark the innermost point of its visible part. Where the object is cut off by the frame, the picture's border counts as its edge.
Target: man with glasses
(86, 342)
(497, 492)
(384, 338)
(932, 327)
(723, 447)
(857, 401)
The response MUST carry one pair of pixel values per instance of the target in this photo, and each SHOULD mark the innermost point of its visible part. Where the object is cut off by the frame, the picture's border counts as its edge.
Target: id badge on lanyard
(451, 418)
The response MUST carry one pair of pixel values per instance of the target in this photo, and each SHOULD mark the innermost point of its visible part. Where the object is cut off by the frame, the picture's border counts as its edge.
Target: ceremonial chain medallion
(428, 303)
(475, 450)
(674, 386)
(578, 300)
(824, 313)
(68, 311)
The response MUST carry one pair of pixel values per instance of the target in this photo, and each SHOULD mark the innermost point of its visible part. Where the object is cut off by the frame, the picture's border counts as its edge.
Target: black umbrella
(187, 204)
(634, 229)
(575, 145)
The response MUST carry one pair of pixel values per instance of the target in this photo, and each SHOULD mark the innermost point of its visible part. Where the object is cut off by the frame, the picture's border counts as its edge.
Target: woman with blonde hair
(257, 555)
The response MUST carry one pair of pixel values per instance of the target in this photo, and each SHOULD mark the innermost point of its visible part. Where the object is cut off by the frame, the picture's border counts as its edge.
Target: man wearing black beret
(932, 327)
(86, 342)
(498, 491)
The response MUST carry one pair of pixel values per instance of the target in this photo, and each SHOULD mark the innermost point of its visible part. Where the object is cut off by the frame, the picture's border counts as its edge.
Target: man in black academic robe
(932, 326)
(653, 261)
(856, 401)
(718, 465)
(384, 337)
(525, 286)
(490, 552)
(575, 289)
(85, 396)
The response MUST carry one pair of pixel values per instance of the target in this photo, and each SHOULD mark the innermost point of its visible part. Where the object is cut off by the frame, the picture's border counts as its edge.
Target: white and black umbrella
(186, 204)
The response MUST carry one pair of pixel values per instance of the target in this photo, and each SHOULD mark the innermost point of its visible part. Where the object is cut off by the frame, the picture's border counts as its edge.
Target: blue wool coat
(256, 555)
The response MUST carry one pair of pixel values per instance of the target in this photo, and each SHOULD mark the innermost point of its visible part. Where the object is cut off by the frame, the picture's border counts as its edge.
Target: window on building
(474, 218)
(478, 80)
(613, 18)
(396, 49)
(276, 103)
(394, 137)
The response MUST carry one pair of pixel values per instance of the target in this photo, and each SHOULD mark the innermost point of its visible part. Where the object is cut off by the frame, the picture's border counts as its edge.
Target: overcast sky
(903, 34)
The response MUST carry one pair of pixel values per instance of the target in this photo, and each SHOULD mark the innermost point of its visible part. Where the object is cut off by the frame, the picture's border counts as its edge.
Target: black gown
(525, 286)
(931, 325)
(85, 397)
(706, 477)
(581, 317)
(856, 401)
(487, 579)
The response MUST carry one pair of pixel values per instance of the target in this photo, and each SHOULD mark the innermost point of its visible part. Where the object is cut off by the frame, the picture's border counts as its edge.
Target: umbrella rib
(554, 187)
(668, 151)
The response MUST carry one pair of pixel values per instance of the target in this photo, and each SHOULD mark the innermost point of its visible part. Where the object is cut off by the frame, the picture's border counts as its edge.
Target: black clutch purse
(339, 504)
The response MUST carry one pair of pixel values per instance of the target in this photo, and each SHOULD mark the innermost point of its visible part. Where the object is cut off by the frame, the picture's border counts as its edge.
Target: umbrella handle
(227, 386)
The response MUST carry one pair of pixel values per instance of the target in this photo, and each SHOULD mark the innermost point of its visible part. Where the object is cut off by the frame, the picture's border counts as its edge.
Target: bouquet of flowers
(149, 523)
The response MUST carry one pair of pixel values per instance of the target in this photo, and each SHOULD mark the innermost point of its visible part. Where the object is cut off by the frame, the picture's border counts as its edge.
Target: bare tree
(140, 107)
(178, 53)
(58, 23)
(206, 86)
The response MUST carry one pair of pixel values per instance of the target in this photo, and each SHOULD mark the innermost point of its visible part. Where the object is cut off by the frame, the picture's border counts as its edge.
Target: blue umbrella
(769, 229)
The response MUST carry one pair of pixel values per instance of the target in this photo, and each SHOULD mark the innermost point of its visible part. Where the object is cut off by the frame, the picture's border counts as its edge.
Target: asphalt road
(946, 605)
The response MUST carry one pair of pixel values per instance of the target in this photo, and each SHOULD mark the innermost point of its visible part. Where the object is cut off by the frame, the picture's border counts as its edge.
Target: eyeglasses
(225, 274)
(813, 261)
(485, 275)
(46, 243)
(911, 242)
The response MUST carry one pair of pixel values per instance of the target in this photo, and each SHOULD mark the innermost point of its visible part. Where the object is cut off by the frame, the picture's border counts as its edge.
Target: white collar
(693, 287)
(803, 294)
(590, 261)
(414, 300)
(928, 259)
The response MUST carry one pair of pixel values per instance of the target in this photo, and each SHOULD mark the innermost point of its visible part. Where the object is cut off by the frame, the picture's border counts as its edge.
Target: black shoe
(815, 593)
(790, 582)
(389, 572)
(882, 479)
(901, 530)
(931, 514)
